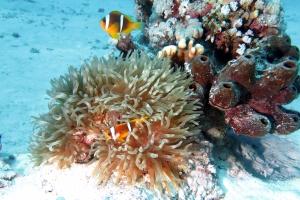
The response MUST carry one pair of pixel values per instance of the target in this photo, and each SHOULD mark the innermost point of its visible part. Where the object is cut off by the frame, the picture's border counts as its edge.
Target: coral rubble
(7, 174)
(85, 104)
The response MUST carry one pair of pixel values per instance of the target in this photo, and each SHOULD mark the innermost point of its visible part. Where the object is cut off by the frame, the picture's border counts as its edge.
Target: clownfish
(120, 131)
(115, 23)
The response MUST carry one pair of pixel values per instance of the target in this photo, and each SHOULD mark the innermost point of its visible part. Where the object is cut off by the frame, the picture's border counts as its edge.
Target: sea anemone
(85, 103)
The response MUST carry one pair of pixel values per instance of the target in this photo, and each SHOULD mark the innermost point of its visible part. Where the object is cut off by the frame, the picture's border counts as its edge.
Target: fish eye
(104, 20)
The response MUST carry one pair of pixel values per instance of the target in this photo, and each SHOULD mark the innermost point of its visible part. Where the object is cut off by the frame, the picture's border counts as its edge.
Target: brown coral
(252, 88)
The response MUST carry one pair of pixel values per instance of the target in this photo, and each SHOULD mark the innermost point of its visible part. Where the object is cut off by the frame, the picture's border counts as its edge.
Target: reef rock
(257, 156)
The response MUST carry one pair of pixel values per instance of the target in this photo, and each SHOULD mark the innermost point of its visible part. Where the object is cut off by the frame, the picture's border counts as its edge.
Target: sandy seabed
(39, 40)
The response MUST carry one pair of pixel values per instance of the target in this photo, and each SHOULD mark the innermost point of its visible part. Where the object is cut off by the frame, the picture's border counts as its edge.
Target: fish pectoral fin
(122, 137)
(139, 25)
(114, 35)
(129, 19)
(113, 30)
(121, 140)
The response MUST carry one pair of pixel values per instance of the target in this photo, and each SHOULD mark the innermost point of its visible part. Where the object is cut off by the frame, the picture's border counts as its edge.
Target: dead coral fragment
(125, 44)
(86, 103)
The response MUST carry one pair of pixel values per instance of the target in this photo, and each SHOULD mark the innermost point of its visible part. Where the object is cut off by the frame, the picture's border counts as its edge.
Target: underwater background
(39, 40)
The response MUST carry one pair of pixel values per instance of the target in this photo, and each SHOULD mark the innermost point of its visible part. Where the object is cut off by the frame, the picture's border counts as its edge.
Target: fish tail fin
(139, 25)
(134, 25)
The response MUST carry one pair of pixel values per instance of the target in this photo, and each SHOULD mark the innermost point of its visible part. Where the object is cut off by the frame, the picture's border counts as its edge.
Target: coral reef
(232, 26)
(165, 26)
(259, 82)
(252, 88)
(247, 73)
(85, 104)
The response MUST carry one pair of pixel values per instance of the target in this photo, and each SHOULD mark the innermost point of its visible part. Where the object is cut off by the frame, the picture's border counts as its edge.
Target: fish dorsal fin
(126, 17)
(115, 13)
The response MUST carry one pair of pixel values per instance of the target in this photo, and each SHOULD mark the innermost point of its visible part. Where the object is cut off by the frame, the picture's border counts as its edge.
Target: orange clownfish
(115, 23)
(120, 131)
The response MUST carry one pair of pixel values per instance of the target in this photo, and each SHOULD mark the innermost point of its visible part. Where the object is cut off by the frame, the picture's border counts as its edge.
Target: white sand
(65, 33)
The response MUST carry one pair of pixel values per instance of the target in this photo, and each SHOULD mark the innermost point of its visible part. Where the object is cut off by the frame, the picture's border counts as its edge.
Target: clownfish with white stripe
(120, 131)
(115, 23)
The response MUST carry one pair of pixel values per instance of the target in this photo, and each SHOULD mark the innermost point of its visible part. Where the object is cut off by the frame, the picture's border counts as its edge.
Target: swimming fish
(115, 23)
(120, 131)
(0, 142)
